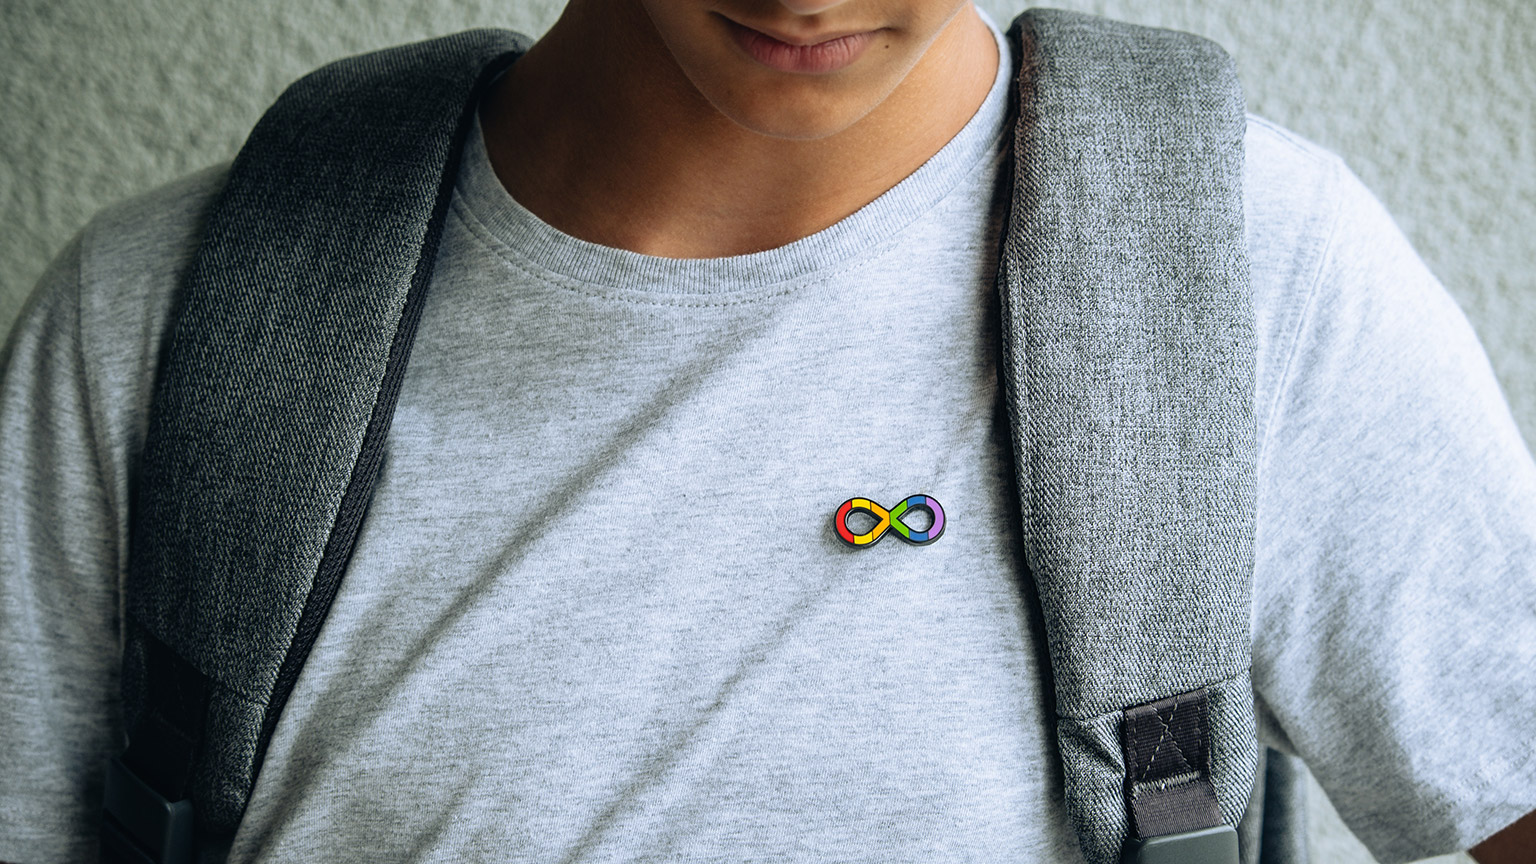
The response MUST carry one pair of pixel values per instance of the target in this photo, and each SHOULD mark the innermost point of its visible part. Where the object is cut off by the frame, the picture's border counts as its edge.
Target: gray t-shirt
(597, 611)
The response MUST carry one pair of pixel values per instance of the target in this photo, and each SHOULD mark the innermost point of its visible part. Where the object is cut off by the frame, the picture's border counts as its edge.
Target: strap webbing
(1167, 766)
(164, 742)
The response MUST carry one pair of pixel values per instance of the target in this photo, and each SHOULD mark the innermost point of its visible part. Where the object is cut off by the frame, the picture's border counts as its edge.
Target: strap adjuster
(1216, 845)
(139, 825)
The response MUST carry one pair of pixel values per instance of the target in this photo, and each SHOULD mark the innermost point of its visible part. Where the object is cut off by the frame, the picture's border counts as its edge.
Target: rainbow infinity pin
(889, 519)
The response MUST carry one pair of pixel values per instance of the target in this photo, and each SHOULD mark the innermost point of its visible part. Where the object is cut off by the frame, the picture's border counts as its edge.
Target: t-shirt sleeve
(1395, 587)
(59, 584)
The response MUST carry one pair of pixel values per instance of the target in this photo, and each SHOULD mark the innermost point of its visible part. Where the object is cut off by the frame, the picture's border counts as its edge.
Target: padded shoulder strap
(272, 403)
(1129, 367)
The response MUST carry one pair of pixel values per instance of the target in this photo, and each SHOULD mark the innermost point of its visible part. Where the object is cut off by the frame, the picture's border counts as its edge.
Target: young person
(709, 270)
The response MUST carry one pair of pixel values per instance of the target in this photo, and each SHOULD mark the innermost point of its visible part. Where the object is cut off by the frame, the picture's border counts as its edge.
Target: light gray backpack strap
(1129, 367)
(267, 426)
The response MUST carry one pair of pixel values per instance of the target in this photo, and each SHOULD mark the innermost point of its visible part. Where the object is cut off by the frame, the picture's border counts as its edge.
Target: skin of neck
(647, 128)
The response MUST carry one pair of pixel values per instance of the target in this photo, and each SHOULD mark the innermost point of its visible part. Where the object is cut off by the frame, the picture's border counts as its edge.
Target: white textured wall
(1432, 103)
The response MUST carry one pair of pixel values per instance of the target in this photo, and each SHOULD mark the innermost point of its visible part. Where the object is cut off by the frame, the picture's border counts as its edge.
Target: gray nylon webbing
(294, 307)
(1129, 365)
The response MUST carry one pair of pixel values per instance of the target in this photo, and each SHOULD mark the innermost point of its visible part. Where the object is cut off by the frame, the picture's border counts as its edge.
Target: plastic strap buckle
(1216, 845)
(139, 825)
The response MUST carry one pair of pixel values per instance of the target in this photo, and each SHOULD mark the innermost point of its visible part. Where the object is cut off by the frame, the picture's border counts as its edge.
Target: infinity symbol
(889, 519)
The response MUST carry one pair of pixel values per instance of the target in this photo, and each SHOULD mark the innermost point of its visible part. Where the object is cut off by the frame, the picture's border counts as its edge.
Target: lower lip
(828, 56)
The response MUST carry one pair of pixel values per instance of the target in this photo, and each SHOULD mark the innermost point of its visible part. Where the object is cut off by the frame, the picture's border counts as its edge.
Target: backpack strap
(1129, 370)
(268, 419)
(1128, 363)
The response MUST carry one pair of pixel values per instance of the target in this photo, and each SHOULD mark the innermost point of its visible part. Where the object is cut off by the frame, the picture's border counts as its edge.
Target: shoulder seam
(1309, 306)
(1296, 143)
(93, 420)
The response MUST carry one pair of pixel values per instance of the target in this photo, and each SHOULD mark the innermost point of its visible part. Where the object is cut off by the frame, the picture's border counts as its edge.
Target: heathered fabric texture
(276, 365)
(1129, 344)
(1137, 483)
(598, 612)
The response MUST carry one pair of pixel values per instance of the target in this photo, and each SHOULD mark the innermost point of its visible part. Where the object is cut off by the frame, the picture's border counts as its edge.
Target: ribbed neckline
(535, 244)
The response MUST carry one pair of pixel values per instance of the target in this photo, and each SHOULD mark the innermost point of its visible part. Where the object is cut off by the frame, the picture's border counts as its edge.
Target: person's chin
(789, 115)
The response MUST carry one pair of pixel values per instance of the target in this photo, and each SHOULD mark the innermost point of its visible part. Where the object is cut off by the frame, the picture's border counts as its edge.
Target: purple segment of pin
(938, 516)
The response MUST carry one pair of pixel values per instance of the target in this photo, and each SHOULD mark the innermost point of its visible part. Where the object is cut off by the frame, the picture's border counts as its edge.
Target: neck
(597, 132)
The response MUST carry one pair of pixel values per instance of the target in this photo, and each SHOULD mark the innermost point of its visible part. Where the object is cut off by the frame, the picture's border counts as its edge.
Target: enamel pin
(886, 520)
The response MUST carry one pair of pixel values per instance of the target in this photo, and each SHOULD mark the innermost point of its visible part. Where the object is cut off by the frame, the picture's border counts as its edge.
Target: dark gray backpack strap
(1129, 367)
(268, 420)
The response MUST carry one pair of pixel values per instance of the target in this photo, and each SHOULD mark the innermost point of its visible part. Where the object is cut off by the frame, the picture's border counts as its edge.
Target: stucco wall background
(1432, 103)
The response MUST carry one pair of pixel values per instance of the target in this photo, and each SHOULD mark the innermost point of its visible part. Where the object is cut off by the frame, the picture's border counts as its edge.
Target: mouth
(816, 54)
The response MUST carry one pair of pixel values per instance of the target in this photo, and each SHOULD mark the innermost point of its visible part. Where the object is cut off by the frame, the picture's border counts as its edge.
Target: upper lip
(815, 39)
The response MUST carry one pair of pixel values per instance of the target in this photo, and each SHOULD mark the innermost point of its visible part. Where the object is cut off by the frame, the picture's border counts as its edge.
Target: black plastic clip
(1216, 845)
(139, 826)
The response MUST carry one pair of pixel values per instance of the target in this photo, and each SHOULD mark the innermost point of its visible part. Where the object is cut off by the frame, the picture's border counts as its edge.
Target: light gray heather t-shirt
(598, 612)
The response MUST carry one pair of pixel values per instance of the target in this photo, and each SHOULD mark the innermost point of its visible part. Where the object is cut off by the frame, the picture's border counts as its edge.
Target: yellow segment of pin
(879, 513)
